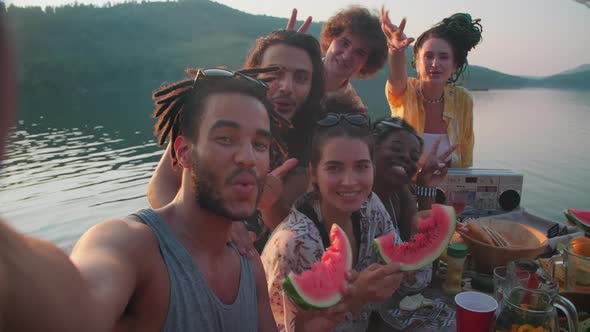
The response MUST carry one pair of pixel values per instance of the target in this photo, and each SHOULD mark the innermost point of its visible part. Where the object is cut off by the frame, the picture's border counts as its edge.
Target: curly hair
(461, 32)
(360, 22)
(297, 139)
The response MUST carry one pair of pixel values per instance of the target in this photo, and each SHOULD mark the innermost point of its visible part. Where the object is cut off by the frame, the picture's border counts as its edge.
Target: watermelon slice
(320, 286)
(434, 234)
(579, 218)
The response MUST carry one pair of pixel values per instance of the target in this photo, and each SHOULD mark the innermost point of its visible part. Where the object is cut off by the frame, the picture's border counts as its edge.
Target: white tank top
(429, 140)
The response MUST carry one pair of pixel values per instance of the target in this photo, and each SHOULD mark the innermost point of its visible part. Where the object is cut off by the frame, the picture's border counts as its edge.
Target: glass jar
(456, 253)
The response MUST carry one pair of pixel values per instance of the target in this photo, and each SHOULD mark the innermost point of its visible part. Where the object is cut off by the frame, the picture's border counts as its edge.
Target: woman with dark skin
(397, 152)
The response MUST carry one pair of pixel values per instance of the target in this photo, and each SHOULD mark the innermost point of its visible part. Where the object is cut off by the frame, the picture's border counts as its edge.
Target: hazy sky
(522, 37)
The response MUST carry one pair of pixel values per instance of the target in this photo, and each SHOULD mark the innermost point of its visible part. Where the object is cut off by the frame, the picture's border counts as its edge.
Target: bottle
(456, 253)
(440, 265)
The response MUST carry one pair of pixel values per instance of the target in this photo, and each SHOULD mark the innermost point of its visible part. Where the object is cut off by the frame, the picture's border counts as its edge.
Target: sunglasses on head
(333, 119)
(394, 122)
(385, 125)
(224, 73)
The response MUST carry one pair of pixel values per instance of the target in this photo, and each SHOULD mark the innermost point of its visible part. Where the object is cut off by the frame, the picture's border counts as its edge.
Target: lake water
(61, 176)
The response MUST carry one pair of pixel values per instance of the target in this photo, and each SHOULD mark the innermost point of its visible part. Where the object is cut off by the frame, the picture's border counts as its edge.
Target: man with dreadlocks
(295, 91)
(170, 269)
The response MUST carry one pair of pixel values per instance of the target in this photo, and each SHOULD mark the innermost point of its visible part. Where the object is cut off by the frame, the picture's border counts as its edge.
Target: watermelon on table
(320, 286)
(434, 234)
(579, 218)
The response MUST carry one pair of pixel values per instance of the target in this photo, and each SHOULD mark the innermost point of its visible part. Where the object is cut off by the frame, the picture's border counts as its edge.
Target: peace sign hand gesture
(435, 168)
(291, 24)
(396, 39)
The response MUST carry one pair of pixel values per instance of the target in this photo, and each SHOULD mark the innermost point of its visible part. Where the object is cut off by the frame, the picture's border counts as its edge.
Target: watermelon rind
(582, 224)
(299, 297)
(379, 249)
(450, 217)
(569, 216)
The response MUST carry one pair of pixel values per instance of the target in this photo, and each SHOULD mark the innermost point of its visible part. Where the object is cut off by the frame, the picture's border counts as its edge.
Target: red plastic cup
(475, 312)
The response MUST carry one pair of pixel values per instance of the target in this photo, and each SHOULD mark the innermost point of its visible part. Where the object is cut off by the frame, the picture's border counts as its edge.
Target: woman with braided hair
(431, 103)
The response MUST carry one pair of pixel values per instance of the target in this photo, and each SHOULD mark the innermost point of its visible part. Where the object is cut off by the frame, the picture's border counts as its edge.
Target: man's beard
(210, 198)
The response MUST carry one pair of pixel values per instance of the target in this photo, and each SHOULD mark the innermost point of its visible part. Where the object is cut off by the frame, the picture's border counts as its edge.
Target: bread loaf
(477, 233)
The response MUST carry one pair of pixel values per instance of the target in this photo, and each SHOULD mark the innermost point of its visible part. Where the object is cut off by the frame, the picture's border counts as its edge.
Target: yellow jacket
(457, 114)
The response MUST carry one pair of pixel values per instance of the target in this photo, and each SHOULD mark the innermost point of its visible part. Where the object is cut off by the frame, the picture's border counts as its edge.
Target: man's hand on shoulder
(243, 239)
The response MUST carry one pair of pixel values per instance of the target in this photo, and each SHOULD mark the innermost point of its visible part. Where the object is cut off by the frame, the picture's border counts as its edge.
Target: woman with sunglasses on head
(397, 152)
(342, 175)
(431, 103)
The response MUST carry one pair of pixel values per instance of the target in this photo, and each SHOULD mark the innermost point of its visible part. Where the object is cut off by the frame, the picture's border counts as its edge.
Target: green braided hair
(461, 31)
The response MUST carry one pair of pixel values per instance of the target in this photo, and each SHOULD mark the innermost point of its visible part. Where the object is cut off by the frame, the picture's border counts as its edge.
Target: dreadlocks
(179, 106)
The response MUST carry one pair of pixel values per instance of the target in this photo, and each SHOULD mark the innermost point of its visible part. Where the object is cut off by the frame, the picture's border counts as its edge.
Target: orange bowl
(525, 242)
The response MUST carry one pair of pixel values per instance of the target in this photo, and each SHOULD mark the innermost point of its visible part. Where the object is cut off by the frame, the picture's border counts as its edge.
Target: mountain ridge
(116, 55)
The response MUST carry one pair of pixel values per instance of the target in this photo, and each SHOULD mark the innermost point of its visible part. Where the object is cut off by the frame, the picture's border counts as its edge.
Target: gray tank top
(193, 306)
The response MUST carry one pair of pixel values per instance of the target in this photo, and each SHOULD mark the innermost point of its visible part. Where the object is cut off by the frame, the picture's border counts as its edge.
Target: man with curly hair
(353, 45)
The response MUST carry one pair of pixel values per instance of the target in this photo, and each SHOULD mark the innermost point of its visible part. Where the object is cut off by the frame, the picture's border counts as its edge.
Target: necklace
(427, 100)
(431, 101)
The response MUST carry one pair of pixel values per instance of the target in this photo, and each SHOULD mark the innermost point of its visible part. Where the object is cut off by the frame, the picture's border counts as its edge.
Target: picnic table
(440, 316)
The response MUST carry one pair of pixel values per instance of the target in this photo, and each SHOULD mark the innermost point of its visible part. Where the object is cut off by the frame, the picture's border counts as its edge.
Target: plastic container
(456, 253)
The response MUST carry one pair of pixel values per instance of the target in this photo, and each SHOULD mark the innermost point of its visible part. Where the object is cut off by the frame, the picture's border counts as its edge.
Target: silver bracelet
(425, 191)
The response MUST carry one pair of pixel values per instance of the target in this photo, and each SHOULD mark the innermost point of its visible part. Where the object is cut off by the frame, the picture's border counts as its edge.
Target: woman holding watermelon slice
(397, 152)
(342, 175)
(398, 148)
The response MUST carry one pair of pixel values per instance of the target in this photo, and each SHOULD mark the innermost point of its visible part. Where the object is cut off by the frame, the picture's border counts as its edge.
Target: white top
(429, 140)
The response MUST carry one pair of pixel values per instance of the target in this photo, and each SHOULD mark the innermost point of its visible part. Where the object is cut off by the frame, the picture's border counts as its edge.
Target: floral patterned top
(296, 244)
